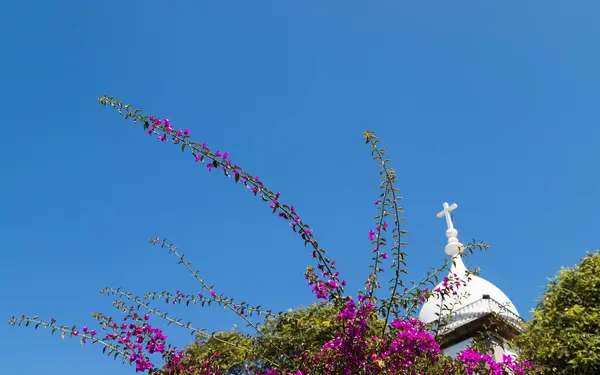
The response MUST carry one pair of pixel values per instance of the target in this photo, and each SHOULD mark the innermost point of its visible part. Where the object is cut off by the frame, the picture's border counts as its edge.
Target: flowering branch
(242, 309)
(376, 239)
(225, 302)
(198, 331)
(172, 249)
(64, 330)
(152, 125)
(388, 176)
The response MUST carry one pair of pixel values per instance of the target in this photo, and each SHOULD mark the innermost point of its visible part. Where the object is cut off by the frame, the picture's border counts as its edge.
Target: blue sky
(492, 105)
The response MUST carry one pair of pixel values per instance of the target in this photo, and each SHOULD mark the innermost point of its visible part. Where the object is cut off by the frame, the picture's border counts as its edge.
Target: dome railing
(479, 308)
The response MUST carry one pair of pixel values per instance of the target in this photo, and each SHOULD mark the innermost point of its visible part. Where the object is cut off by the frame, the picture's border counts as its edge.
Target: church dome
(478, 297)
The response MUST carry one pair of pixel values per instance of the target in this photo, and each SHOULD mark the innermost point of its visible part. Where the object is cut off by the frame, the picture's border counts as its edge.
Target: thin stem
(66, 330)
(370, 138)
(194, 274)
(378, 243)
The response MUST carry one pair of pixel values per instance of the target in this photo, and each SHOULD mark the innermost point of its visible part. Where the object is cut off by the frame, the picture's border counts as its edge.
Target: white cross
(446, 212)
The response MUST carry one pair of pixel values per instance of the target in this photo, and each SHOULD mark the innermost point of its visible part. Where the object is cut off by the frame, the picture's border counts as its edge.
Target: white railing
(481, 307)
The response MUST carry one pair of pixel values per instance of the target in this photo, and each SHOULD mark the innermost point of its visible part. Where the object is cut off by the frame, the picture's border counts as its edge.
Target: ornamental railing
(479, 308)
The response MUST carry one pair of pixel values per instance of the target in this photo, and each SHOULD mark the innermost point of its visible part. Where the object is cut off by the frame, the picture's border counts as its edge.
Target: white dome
(482, 297)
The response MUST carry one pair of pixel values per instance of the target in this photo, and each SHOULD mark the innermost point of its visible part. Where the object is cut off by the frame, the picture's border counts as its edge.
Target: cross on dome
(454, 247)
(446, 212)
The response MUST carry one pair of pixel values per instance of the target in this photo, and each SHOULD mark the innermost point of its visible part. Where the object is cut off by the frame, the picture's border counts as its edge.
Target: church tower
(479, 307)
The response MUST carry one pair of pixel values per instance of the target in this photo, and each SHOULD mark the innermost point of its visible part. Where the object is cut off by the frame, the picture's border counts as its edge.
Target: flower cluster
(475, 362)
(450, 285)
(407, 347)
(138, 338)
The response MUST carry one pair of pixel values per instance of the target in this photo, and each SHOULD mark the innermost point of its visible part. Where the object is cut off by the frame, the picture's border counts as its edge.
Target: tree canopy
(294, 332)
(564, 334)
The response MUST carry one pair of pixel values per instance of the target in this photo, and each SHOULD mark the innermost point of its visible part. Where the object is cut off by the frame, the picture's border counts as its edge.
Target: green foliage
(296, 332)
(564, 334)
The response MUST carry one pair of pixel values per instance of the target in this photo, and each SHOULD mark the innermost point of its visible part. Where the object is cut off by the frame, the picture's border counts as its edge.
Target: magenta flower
(213, 293)
(161, 138)
(179, 133)
(385, 226)
(186, 131)
(225, 155)
(372, 235)
(198, 157)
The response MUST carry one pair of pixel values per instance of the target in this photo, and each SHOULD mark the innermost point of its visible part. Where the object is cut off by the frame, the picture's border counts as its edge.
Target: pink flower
(198, 157)
(377, 201)
(161, 138)
(213, 293)
(225, 155)
(186, 131)
(372, 235)
(179, 133)
(385, 226)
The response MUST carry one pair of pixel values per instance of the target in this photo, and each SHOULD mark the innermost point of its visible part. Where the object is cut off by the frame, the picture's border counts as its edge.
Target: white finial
(453, 247)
